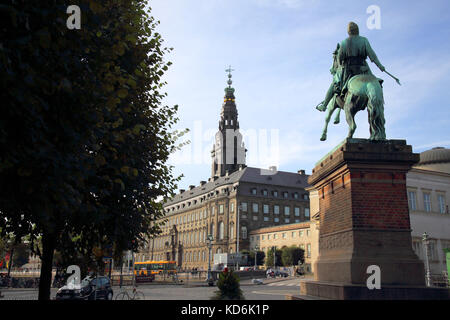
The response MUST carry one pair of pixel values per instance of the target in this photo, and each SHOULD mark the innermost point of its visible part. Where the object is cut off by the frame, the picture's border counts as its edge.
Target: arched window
(219, 250)
(231, 230)
(231, 250)
(221, 230)
(212, 230)
(244, 232)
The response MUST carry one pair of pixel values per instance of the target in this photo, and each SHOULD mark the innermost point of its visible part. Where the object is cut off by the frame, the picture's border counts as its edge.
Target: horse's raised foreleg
(350, 115)
(328, 114)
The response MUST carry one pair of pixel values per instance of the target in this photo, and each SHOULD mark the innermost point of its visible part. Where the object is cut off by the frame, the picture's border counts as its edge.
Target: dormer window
(253, 191)
(264, 192)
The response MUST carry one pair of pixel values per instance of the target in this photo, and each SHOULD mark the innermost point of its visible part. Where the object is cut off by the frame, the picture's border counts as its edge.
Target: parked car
(90, 288)
(279, 273)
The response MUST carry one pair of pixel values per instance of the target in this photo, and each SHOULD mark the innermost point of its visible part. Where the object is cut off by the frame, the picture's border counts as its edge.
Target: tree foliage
(269, 257)
(291, 255)
(84, 137)
(260, 256)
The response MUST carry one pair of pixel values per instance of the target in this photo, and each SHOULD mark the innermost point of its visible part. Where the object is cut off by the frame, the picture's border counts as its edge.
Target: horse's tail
(375, 107)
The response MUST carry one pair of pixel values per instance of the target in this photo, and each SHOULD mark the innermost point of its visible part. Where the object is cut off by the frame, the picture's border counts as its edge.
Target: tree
(229, 288)
(291, 255)
(84, 138)
(21, 255)
(269, 257)
(260, 256)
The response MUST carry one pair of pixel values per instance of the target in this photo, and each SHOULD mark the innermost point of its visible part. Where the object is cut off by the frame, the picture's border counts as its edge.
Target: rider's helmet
(352, 29)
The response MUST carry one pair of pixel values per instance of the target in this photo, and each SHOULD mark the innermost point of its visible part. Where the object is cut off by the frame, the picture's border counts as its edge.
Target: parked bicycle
(133, 294)
(175, 279)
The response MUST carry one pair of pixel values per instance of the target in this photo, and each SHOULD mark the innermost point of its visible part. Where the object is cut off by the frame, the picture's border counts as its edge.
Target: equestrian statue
(354, 87)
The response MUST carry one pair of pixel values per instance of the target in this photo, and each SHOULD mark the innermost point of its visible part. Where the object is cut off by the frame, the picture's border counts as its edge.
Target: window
(287, 211)
(231, 230)
(255, 208)
(255, 218)
(244, 206)
(305, 197)
(308, 250)
(412, 200)
(204, 214)
(307, 233)
(275, 193)
(254, 191)
(285, 194)
(212, 230)
(297, 220)
(221, 230)
(297, 212)
(286, 220)
(306, 212)
(284, 235)
(276, 220)
(276, 209)
(427, 202)
(266, 208)
(263, 237)
(275, 236)
(184, 219)
(264, 192)
(293, 234)
(268, 237)
(232, 207)
(244, 232)
(212, 211)
(300, 233)
(295, 195)
(266, 219)
(441, 201)
(221, 208)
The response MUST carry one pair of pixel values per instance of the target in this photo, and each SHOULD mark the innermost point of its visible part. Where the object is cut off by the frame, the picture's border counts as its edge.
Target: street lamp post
(256, 254)
(237, 237)
(209, 240)
(274, 257)
(426, 242)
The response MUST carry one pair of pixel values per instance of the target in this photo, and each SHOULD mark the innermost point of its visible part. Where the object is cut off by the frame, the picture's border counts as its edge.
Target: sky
(281, 53)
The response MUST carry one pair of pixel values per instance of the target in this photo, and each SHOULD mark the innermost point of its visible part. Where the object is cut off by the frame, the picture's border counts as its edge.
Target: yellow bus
(146, 268)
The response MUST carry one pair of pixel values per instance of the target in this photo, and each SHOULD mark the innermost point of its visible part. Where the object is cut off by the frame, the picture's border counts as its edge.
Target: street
(273, 289)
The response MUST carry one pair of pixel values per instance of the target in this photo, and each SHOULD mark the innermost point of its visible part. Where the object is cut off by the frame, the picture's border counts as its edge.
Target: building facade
(428, 187)
(301, 234)
(234, 201)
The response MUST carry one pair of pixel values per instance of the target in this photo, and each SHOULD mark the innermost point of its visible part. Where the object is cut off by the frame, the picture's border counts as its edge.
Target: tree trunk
(45, 281)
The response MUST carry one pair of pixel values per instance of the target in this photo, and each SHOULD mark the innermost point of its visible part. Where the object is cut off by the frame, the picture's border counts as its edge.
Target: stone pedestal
(364, 220)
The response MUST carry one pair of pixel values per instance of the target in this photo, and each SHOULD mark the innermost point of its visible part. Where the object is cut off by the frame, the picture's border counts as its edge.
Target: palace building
(262, 198)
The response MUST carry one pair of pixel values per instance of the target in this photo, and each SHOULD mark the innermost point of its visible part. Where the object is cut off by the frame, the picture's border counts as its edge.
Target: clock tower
(228, 151)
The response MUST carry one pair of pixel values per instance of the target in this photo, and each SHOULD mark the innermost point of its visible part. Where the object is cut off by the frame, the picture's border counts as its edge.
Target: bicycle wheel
(123, 296)
(138, 295)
